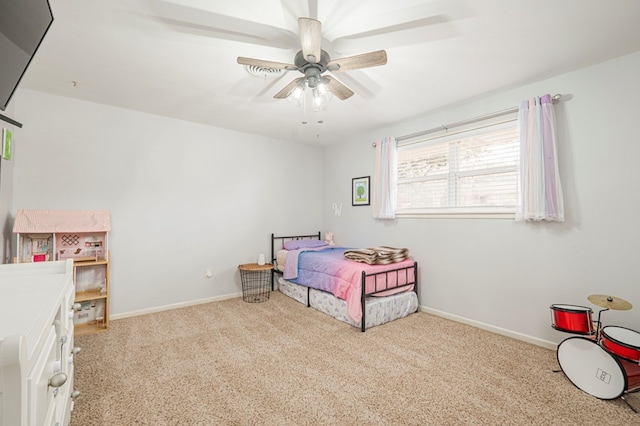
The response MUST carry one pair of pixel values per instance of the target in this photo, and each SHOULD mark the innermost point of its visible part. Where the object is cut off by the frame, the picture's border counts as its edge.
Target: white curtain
(540, 196)
(385, 179)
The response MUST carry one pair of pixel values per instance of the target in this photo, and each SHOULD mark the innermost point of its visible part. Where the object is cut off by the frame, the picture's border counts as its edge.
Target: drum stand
(599, 324)
(627, 402)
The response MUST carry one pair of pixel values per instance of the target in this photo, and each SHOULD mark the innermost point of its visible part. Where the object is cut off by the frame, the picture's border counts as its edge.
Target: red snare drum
(595, 371)
(572, 319)
(621, 341)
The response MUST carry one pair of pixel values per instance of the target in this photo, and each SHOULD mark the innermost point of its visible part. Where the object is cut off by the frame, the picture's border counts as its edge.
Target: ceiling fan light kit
(296, 95)
(319, 102)
(312, 61)
(320, 94)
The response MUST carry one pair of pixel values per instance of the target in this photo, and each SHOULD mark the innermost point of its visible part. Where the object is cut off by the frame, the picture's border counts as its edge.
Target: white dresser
(36, 344)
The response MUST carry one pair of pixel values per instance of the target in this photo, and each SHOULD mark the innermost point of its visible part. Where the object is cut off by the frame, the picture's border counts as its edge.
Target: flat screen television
(23, 25)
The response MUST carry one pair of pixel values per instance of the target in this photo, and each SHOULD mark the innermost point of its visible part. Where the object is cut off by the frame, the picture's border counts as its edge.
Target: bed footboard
(386, 281)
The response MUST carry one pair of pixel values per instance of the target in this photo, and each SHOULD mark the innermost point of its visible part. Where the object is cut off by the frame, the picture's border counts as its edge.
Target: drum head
(570, 308)
(623, 336)
(622, 342)
(591, 368)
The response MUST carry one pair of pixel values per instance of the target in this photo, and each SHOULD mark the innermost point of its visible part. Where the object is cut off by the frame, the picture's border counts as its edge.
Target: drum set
(602, 361)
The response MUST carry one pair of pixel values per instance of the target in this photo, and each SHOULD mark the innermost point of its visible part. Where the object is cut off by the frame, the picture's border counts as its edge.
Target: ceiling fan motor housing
(312, 71)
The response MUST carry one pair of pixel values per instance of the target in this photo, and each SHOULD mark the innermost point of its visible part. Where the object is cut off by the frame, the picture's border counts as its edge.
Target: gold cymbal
(610, 302)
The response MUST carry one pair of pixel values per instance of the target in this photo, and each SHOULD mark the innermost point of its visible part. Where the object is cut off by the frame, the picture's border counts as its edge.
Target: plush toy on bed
(328, 237)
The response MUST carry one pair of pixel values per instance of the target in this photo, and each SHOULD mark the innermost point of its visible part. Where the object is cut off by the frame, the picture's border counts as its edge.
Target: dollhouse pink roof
(49, 221)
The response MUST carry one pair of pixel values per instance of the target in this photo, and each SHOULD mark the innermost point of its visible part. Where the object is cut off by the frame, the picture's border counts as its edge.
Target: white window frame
(498, 212)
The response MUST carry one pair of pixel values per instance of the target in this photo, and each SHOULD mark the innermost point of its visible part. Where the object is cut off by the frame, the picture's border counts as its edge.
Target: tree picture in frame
(360, 191)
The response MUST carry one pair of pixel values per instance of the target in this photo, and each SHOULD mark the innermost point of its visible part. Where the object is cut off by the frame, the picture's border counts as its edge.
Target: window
(470, 172)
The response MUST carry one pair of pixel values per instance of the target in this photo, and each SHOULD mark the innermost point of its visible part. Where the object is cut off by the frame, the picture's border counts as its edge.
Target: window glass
(474, 171)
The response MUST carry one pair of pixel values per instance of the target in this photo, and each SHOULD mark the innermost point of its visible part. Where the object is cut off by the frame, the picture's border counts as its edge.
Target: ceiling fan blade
(341, 91)
(310, 38)
(292, 9)
(414, 32)
(361, 83)
(266, 64)
(313, 8)
(282, 94)
(206, 22)
(364, 60)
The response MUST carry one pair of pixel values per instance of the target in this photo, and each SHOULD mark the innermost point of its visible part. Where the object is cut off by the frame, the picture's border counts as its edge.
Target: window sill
(456, 215)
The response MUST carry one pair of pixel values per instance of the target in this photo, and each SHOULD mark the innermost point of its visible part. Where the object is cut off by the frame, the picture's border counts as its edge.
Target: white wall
(186, 197)
(183, 197)
(506, 274)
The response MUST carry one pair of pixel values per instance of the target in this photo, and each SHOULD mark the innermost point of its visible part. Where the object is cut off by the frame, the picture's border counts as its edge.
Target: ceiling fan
(393, 26)
(312, 61)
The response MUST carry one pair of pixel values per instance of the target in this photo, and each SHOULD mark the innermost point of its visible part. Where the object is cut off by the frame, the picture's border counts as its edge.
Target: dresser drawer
(64, 402)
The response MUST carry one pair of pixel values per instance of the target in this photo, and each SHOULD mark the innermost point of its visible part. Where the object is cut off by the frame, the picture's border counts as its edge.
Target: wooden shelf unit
(81, 235)
(97, 296)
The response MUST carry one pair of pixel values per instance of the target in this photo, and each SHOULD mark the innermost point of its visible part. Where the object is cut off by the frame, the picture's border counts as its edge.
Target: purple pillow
(300, 244)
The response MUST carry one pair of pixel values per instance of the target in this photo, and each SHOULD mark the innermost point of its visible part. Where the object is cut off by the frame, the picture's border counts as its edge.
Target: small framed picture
(6, 144)
(360, 191)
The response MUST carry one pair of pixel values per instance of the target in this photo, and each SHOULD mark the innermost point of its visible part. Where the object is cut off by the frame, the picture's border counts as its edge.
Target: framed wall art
(360, 191)
(6, 144)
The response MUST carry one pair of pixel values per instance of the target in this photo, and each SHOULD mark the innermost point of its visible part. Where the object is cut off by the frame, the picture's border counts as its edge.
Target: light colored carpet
(281, 363)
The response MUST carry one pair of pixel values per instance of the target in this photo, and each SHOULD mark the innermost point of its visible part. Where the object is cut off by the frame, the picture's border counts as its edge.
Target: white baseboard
(493, 329)
(174, 306)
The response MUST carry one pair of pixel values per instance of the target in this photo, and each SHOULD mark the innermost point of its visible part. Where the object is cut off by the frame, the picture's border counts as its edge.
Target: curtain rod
(445, 127)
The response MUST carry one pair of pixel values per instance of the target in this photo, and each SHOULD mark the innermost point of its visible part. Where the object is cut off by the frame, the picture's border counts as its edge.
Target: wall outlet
(208, 273)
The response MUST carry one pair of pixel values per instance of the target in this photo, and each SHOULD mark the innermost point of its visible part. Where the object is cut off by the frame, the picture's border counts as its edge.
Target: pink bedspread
(325, 268)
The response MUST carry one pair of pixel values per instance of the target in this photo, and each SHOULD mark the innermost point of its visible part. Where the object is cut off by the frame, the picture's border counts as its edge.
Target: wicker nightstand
(256, 282)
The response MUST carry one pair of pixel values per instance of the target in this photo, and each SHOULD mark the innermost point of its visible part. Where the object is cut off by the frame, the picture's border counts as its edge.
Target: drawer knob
(76, 350)
(75, 394)
(58, 380)
(76, 307)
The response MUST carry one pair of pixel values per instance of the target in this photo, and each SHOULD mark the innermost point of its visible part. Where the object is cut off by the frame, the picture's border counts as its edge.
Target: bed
(362, 295)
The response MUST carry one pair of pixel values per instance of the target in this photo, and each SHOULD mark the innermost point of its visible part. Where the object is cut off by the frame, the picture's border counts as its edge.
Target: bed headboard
(277, 242)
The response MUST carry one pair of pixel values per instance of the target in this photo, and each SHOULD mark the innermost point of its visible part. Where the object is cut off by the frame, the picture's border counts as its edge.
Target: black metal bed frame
(387, 274)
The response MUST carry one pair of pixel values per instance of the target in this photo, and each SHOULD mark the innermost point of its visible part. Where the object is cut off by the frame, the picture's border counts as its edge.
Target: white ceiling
(178, 58)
